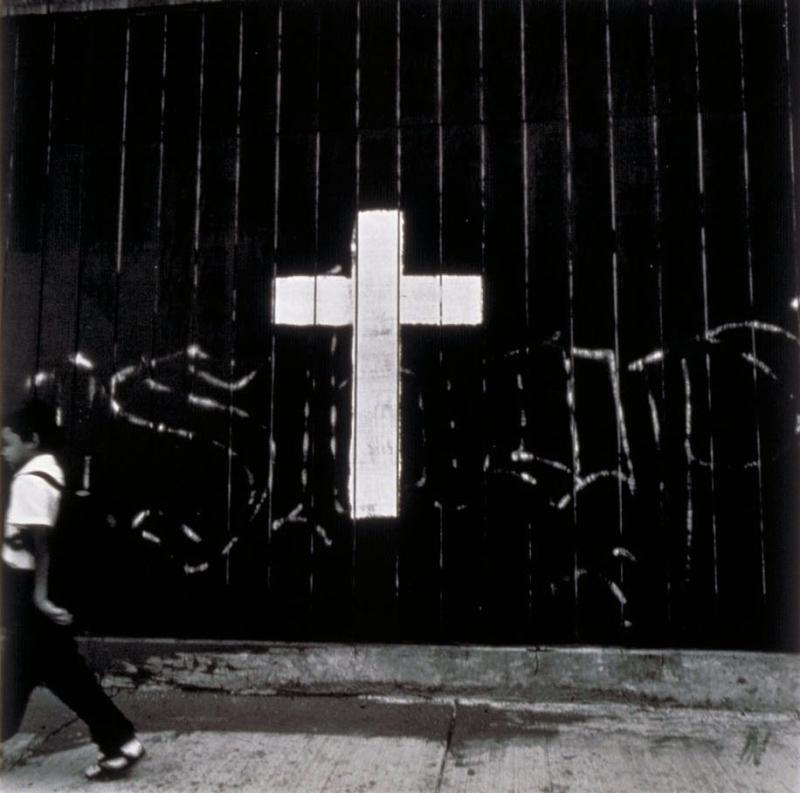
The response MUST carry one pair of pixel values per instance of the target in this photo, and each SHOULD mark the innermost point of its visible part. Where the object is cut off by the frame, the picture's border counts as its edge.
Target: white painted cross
(376, 300)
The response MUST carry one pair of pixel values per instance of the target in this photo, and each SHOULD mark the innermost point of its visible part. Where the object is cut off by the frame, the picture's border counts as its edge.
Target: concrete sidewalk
(201, 741)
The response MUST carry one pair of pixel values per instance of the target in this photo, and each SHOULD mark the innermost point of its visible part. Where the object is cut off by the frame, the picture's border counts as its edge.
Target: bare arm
(41, 552)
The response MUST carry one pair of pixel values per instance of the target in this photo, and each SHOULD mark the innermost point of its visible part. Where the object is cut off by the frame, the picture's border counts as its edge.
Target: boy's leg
(19, 660)
(18, 675)
(69, 678)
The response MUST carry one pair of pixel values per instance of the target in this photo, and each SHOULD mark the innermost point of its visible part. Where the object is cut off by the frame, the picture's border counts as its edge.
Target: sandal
(117, 765)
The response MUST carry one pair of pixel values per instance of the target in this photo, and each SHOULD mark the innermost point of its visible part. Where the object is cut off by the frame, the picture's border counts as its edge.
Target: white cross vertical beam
(374, 465)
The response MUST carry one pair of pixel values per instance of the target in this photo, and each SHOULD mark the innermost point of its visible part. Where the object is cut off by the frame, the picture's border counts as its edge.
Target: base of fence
(693, 678)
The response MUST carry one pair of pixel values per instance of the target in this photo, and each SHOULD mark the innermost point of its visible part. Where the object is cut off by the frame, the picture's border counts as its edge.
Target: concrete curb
(690, 678)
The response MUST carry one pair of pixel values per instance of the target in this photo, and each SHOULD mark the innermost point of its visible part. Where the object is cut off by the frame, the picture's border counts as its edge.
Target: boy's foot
(117, 765)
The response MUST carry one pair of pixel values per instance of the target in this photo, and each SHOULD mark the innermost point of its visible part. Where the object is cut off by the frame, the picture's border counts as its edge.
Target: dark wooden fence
(610, 457)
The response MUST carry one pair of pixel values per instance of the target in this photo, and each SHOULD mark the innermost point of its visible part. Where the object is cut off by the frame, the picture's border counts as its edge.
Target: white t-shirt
(34, 500)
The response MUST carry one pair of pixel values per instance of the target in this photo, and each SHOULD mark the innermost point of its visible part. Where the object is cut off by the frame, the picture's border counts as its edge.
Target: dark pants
(36, 651)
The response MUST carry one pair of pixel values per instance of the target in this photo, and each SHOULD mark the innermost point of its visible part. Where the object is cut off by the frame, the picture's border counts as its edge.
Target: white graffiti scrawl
(376, 300)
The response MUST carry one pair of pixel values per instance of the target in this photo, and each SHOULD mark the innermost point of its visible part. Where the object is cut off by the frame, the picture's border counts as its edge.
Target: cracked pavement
(199, 742)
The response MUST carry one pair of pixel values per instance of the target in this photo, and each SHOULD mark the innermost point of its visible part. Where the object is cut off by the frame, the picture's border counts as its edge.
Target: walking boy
(38, 645)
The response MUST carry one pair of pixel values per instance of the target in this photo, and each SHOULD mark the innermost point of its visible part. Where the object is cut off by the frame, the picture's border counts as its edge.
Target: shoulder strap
(51, 480)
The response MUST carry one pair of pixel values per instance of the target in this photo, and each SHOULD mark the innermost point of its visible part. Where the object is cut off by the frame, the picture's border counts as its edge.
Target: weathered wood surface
(609, 455)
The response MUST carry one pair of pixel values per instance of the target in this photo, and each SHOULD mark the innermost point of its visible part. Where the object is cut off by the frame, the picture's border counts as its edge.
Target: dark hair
(36, 417)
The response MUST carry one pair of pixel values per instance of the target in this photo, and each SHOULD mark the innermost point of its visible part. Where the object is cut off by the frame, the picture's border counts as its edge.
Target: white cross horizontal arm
(314, 300)
(441, 300)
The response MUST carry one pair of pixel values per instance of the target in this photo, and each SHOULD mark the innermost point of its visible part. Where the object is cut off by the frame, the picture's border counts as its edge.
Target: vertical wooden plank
(641, 570)
(376, 542)
(250, 440)
(179, 182)
(27, 143)
(61, 264)
(100, 109)
(791, 45)
(419, 520)
(332, 562)
(9, 53)
(9, 38)
(141, 217)
(696, 367)
(728, 252)
(292, 518)
(127, 491)
(462, 487)
(686, 502)
(178, 452)
(218, 177)
(377, 49)
(32, 131)
(768, 107)
(598, 486)
(547, 457)
(212, 407)
(508, 322)
(460, 65)
(61, 278)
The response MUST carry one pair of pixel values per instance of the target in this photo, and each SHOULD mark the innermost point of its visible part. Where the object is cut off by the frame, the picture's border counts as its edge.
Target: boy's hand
(55, 613)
